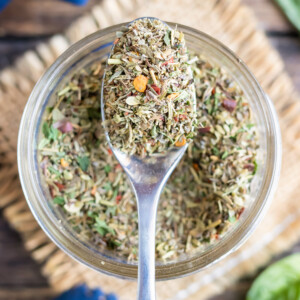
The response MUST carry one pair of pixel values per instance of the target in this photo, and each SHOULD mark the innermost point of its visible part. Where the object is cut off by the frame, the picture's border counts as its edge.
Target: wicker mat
(234, 25)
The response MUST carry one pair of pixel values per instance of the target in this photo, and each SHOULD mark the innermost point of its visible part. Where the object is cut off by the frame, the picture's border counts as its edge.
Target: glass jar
(93, 48)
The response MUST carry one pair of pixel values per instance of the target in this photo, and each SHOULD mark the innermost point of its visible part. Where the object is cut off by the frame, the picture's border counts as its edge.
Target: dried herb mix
(204, 196)
(149, 90)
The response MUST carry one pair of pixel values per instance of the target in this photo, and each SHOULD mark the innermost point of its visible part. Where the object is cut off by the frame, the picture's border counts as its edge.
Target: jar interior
(95, 49)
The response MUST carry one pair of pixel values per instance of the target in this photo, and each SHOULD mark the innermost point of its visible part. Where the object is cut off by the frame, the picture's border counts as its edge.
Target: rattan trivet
(234, 25)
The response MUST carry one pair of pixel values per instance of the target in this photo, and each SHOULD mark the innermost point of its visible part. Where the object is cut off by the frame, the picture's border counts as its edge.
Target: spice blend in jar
(205, 195)
(148, 89)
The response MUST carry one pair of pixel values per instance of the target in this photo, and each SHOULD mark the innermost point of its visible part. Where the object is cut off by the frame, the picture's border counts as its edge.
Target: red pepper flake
(176, 119)
(240, 212)
(229, 104)
(116, 41)
(162, 118)
(60, 186)
(118, 167)
(204, 129)
(250, 167)
(170, 61)
(156, 89)
(213, 91)
(183, 117)
(196, 166)
(51, 190)
(109, 151)
(118, 198)
(216, 236)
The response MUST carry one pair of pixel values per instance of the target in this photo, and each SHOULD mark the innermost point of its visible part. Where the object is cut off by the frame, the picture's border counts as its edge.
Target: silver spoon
(147, 176)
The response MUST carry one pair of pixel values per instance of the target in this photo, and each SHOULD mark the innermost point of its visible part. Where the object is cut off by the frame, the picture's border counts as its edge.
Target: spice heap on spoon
(148, 110)
(148, 89)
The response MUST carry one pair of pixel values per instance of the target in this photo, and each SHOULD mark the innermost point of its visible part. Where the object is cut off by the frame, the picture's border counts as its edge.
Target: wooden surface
(22, 29)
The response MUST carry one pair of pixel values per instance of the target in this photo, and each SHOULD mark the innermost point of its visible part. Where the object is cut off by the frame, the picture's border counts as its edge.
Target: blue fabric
(3, 4)
(77, 2)
(82, 292)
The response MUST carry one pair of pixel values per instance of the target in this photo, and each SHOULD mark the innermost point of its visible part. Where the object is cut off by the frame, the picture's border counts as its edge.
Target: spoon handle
(147, 207)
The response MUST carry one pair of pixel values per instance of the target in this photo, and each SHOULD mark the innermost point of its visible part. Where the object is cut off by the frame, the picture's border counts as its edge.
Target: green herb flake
(83, 162)
(59, 200)
(167, 37)
(107, 169)
(224, 155)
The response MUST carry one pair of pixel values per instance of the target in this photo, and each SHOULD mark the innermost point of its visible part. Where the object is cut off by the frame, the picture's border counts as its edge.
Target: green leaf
(83, 162)
(255, 167)
(232, 219)
(94, 113)
(46, 130)
(53, 133)
(292, 10)
(215, 151)
(167, 38)
(107, 186)
(50, 133)
(54, 171)
(280, 281)
(44, 142)
(224, 155)
(103, 228)
(59, 200)
(107, 169)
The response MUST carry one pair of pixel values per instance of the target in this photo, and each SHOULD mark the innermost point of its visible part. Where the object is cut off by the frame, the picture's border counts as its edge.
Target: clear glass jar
(52, 221)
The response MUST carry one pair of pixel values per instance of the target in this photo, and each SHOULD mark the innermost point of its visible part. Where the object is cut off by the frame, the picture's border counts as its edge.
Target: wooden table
(20, 277)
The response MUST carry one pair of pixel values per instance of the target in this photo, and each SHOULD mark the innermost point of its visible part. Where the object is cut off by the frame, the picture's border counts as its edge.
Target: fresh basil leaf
(292, 10)
(280, 281)
(83, 162)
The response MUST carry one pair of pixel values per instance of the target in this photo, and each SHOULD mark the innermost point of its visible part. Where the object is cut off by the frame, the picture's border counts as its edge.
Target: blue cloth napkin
(82, 292)
(3, 3)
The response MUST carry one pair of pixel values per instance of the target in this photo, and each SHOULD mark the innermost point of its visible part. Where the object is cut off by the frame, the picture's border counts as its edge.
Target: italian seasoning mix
(148, 89)
(205, 195)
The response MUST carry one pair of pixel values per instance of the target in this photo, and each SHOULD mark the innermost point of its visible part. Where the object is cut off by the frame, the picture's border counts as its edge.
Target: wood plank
(269, 15)
(26, 294)
(35, 17)
(11, 48)
(17, 269)
(239, 290)
(289, 48)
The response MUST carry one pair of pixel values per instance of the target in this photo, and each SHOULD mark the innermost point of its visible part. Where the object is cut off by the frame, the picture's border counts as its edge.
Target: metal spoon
(147, 176)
